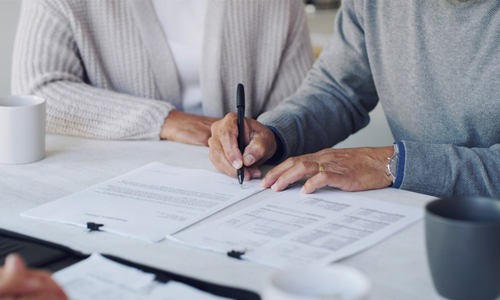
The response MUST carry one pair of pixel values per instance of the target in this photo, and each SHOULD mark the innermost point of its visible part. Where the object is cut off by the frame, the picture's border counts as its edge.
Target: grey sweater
(434, 65)
(106, 70)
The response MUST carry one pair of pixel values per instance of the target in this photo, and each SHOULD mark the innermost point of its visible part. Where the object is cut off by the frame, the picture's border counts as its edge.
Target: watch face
(393, 165)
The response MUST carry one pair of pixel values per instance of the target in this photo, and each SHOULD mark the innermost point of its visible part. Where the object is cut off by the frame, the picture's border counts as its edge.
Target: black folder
(42, 254)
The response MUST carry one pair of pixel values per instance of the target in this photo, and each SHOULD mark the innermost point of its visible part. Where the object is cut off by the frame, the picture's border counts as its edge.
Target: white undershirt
(183, 24)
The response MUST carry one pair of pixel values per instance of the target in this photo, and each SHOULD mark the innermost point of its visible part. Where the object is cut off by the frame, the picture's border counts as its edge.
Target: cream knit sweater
(106, 71)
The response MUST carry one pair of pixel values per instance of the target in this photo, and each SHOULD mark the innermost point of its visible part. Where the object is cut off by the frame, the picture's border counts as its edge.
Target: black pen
(240, 104)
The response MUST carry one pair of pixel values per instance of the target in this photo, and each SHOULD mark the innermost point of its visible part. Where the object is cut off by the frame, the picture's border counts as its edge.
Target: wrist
(399, 170)
(280, 152)
(167, 124)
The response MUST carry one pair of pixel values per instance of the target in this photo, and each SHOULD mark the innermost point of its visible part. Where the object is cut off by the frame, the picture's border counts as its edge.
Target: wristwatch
(392, 166)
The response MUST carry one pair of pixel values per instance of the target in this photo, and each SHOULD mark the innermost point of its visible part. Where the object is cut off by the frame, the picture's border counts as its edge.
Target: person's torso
(436, 65)
(114, 51)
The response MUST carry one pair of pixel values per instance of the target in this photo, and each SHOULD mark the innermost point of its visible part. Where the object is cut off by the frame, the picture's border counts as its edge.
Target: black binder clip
(93, 226)
(235, 254)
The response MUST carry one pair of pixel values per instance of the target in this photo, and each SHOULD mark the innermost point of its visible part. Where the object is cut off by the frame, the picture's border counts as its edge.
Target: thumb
(13, 264)
(15, 278)
(258, 151)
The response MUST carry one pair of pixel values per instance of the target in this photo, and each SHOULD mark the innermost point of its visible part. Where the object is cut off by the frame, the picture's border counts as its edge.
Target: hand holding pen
(259, 145)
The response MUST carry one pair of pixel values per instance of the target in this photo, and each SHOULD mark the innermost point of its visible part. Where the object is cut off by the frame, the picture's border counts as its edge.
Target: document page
(148, 203)
(99, 278)
(296, 229)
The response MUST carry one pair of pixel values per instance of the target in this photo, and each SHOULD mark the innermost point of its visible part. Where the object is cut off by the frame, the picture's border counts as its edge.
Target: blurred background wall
(320, 14)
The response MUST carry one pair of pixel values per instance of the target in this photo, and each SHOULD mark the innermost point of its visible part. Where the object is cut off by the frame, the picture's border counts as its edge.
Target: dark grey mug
(463, 247)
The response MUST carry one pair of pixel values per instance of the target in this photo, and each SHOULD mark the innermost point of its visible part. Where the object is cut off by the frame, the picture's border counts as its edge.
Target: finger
(51, 290)
(49, 287)
(277, 171)
(254, 152)
(20, 283)
(254, 172)
(14, 277)
(45, 288)
(226, 133)
(44, 295)
(13, 263)
(247, 175)
(251, 173)
(333, 179)
(298, 171)
(219, 160)
(261, 143)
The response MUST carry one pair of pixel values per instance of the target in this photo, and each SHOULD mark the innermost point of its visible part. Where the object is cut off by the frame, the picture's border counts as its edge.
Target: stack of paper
(293, 229)
(148, 203)
(157, 200)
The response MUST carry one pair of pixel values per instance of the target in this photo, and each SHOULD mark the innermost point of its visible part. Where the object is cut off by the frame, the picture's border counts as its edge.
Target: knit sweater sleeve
(47, 63)
(443, 170)
(296, 60)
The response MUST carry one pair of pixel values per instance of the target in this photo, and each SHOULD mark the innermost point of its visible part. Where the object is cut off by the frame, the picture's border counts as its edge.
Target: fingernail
(257, 174)
(273, 187)
(236, 165)
(249, 159)
(302, 190)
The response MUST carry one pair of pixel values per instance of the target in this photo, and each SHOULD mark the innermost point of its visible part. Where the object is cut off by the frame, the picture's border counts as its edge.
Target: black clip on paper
(93, 226)
(235, 254)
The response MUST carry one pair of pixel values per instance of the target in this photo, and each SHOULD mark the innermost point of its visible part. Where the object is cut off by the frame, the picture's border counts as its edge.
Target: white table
(396, 267)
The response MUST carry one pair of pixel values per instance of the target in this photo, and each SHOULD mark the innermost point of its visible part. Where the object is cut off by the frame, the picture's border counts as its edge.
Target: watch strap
(392, 165)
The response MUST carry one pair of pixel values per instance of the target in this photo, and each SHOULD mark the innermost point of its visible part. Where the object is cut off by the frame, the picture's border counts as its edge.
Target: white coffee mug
(335, 282)
(22, 129)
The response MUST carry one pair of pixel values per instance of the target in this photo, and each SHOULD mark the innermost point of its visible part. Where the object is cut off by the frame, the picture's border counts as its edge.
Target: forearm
(305, 127)
(442, 170)
(336, 96)
(82, 110)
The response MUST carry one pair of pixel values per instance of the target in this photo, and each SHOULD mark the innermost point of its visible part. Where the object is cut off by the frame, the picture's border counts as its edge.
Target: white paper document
(148, 203)
(296, 229)
(98, 278)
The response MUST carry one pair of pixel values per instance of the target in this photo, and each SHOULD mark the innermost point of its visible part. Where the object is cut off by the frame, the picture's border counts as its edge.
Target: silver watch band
(392, 165)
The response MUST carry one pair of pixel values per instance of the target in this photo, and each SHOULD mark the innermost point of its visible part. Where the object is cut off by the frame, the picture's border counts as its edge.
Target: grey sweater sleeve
(442, 170)
(335, 98)
(334, 101)
(46, 63)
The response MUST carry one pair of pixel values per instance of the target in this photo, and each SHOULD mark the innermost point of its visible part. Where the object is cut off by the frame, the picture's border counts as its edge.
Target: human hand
(187, 128)
(353, 169)
(18, 282)
(224, 152)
